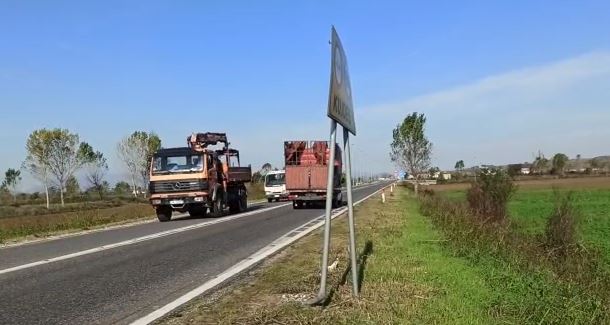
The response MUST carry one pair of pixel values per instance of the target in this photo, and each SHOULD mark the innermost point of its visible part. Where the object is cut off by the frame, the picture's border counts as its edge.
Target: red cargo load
(307, 170)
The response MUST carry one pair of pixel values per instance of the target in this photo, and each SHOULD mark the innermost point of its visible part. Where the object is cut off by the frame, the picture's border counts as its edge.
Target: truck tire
(239, 205)
(297, 204)
(269, 200)
(164, 214)
(216, 209)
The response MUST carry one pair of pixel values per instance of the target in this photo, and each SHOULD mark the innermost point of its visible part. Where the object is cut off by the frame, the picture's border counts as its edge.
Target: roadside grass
(256, 191)
(8, 211)
(410, 273)
(21, 221)
(12, 228)
(529, 210)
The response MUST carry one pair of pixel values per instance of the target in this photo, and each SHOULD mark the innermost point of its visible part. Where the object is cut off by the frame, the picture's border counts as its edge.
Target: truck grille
(184, 185)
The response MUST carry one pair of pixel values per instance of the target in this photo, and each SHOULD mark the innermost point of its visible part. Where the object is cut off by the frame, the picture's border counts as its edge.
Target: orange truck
(307, 172)
(204, 176)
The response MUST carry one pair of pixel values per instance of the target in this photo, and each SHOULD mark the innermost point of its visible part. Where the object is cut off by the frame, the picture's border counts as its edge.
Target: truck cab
(275, 185)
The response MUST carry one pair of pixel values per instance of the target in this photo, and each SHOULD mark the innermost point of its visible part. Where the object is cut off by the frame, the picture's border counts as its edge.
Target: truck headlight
(198, 199)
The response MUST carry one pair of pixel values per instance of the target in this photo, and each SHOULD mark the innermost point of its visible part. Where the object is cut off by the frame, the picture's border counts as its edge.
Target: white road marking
(245, 264)
(139, 239)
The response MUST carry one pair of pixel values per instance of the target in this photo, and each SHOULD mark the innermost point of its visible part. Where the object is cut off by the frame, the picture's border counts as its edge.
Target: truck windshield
(275, 179)
(177, 164)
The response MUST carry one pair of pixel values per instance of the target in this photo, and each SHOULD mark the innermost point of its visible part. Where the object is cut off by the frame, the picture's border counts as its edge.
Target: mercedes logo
(178, 185)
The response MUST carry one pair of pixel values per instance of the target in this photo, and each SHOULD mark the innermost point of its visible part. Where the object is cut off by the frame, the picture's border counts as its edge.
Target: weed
(561, 226)
(488, 196)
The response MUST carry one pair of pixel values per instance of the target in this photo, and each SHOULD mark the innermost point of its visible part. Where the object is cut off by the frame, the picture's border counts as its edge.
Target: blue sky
(497, 80)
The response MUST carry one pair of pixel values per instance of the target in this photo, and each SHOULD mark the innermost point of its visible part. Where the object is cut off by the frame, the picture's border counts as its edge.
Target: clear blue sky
(106, 68)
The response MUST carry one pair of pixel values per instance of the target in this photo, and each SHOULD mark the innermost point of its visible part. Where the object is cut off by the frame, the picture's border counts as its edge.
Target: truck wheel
(164, 214)
(297, 204)
(216, 209)
(269, 200)
(239, 205)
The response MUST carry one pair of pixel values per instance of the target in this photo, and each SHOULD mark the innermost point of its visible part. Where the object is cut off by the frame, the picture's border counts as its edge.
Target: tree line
(55, 156)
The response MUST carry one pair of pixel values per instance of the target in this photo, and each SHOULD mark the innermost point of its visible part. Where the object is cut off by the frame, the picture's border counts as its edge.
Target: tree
(578, 163)
(121, 188)
(514, 170)
(65, 156)
(97, 167)
(410, 148)
(540, 163)
(37, 160)
(559, 163)
(257, 177)
(459, 165)
(433, 171)
(12, 177)
(266, 168)
(136, 151)
(72, 187)
(596, 164)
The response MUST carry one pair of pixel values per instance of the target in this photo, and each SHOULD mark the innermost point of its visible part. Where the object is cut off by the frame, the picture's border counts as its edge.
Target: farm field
(533, 203)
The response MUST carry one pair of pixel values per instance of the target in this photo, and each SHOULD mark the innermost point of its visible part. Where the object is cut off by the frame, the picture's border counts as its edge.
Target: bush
(488, 196)
(561, 232)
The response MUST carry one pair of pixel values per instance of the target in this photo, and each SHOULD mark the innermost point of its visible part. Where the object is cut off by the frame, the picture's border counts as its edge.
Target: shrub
(561, 232)
(488, 196)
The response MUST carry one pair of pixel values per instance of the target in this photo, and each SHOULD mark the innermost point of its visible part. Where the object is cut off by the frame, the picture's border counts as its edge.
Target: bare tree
(96, 167)
(136, 151)
(410, 148)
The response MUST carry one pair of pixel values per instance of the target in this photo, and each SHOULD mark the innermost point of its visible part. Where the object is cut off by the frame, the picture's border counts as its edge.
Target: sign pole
(341, 111)
(330, 184)
(350, 212)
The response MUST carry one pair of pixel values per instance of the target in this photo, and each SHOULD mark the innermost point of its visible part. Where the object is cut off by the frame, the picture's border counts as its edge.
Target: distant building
(442, 175)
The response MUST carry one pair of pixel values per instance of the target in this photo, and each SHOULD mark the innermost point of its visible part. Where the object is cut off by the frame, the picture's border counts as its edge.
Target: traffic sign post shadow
(340, 110)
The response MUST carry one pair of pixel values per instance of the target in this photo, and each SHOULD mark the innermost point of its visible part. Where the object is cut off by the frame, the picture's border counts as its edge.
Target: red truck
(307, 172)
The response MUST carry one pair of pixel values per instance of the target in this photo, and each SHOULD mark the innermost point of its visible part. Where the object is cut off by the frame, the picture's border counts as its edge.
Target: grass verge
(410, 273)
(12, 228)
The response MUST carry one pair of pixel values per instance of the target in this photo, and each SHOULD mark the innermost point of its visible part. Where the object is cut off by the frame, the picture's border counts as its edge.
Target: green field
(529, 210)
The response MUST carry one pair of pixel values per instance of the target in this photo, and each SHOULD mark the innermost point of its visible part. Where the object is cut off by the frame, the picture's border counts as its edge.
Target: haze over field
(496, 82)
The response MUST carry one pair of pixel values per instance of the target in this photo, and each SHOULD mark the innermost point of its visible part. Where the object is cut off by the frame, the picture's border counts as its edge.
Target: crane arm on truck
(200, 141)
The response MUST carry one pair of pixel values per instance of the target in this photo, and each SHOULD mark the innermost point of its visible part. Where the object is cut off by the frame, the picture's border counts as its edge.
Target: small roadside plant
(561, 227)
(488, 196)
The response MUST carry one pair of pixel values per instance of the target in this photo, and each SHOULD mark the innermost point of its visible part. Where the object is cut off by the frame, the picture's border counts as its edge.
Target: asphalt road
(121, 284)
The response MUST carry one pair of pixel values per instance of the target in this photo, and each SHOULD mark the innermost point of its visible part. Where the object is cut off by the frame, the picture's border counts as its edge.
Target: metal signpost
(340, 110)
